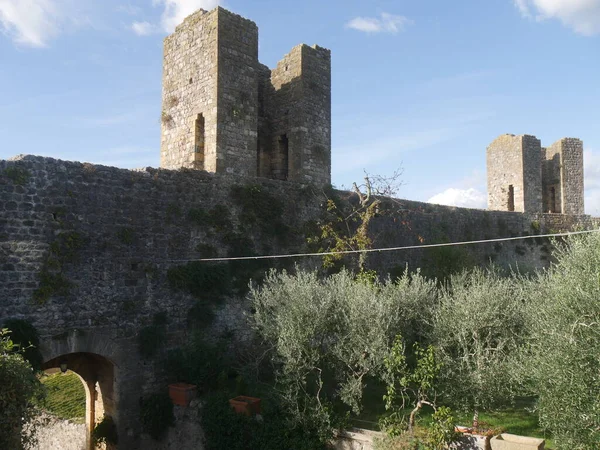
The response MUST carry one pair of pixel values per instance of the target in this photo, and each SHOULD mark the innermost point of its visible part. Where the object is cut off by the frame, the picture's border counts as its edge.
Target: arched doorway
(97, 375)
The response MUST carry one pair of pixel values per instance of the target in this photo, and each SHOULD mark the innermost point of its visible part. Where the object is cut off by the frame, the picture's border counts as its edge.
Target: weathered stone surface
(525, 177)
(119, 231)
(225, 112)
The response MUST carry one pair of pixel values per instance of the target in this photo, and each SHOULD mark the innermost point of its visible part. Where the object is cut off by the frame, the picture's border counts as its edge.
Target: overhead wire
(380, 250)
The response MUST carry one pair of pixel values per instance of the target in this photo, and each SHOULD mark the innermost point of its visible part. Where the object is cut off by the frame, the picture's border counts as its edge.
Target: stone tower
(525, 177)
(223, 111)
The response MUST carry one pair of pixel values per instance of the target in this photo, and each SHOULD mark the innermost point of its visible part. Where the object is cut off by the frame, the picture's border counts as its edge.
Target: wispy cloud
(583, 16)
(143, 28)
(31, 22)
(385, 23)
(129, 9)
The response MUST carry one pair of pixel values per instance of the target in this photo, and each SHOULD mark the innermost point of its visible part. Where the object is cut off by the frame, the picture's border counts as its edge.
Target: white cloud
(583, 16)
(31, 22)
(143, 28)
(177, 10)
(466, 198)
(386, 23)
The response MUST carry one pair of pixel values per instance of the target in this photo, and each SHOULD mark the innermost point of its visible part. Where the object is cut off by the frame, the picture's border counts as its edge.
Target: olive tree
(326, 337)
(478, 330)
(563, 358)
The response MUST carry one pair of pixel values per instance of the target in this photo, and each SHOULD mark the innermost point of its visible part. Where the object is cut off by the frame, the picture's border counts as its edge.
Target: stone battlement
(225, 112)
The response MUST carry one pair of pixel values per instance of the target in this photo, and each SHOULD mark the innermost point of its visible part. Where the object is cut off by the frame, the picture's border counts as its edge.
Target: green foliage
(218, 218)
(52, 281)
(26, 340)
(535, 226)
(478, 329)
(66, 245)
(199, 362)
(152, 337)
(51, 284)
(404, 385)
(19, 390)
(105, 432)
(18, 175)
(259, 208)
(156, 414)
(202, 280)
(323, 339)
(65, 396)
(562, 359)
(443, 262)
(224, 429)
(441, 432)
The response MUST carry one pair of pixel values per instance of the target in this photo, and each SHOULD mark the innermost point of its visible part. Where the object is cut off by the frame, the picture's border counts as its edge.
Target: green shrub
(20, 389)
(152, 337)
(479, 328)
(562, 361)
(202, 280)
(224, 429)
(156, 414)
(26, 338)
(18, 175)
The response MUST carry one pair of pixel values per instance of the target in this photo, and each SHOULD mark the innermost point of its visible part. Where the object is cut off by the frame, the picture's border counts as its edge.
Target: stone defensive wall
(94, 255)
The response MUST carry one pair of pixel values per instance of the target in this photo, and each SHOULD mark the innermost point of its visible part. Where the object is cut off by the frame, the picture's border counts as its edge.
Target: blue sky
(423, 85)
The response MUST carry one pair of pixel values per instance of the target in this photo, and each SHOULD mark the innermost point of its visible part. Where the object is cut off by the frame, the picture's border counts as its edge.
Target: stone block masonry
(224, 112)
(525, 177)
(99, 241)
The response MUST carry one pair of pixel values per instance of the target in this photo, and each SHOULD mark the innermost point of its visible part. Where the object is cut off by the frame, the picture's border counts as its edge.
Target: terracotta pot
(245, 405)
(182, 393)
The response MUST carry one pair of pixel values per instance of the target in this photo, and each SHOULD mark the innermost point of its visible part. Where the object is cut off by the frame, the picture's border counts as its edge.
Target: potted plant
(182, 393)
(245, 405)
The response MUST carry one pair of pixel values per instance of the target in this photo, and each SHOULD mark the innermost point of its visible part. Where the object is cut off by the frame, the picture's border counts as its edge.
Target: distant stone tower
(223, 111)
(525, 177)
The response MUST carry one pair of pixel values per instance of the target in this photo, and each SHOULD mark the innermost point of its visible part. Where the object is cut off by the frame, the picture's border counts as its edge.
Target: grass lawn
(65, 396)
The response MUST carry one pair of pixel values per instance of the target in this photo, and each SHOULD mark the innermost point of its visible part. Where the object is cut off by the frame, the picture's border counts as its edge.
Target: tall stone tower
(525, 177)
(223, 111)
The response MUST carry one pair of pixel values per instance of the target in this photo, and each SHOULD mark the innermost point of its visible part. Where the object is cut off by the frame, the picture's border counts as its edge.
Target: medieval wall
(86, 250)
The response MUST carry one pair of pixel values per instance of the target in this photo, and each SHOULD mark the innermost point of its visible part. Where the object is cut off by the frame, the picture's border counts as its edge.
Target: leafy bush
(225, 429)
(329, 336)
(479, 328)
(156, 414)
(27, 341)
(562, 361)
(19, 389)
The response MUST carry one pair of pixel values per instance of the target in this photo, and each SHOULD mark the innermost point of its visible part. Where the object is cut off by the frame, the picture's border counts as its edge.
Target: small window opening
(281, 172)
(190, 81)
(511, 198)
(199, 140)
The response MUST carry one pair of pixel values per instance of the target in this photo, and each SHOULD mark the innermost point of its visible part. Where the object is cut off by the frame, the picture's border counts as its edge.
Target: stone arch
(91, 357)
